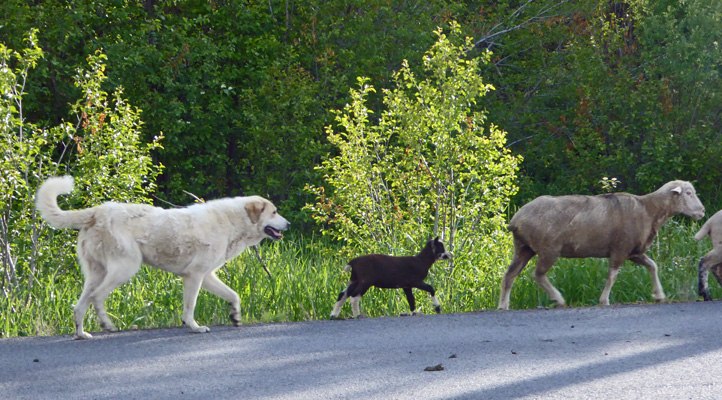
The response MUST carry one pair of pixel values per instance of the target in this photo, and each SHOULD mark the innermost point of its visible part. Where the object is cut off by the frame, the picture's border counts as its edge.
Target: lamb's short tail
(46, 201)
(703, 232)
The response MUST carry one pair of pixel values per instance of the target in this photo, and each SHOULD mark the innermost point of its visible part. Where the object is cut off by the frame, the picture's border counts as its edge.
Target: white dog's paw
(200, 329)
(236, 318)
(82, 335)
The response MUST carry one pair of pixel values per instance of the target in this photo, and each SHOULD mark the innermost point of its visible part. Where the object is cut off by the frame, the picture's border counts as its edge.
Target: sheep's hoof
(437, 309)
(337, 318)
(415, 313)
(404, 314)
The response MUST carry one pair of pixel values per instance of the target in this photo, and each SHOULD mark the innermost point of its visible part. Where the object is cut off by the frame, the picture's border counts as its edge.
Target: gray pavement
(655, 351)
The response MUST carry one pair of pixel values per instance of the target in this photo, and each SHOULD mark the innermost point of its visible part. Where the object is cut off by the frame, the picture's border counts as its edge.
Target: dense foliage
(595, 95)
(626, 89)
(241, 91)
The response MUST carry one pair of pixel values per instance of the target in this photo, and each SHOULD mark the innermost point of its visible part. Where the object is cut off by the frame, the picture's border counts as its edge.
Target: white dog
(192, 242)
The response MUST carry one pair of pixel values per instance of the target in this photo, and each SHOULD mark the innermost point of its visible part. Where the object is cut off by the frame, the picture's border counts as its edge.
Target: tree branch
(544, 13)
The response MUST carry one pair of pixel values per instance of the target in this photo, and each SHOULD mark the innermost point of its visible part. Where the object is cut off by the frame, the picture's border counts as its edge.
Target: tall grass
(307, 275)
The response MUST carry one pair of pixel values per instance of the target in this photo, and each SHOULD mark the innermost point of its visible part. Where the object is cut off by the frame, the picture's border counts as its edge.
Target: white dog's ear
(254, 210)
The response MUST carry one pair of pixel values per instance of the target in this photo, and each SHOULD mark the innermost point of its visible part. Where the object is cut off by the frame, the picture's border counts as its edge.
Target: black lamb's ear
(437, 239)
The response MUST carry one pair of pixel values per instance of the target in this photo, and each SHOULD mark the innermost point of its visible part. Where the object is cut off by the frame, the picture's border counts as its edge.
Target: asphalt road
(657, 351)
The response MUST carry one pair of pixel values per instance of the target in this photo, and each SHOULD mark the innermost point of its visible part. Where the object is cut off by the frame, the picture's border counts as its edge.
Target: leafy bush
(430, 165)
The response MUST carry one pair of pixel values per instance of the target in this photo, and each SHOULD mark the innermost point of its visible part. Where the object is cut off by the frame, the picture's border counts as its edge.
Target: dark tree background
(241, 91)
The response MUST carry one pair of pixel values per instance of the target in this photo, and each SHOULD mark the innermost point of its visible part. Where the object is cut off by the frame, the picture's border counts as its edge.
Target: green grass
(308, 275)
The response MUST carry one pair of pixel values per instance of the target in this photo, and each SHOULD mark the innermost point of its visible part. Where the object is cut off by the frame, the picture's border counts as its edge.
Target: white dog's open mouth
(272, 233)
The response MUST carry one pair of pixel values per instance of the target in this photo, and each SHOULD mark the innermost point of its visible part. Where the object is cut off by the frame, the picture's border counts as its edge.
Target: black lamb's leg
(410, 298)
(425, 286)
(341, 300)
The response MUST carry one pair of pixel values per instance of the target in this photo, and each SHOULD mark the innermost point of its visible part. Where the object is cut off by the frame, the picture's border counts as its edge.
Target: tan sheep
(618, 226)
(712, 260)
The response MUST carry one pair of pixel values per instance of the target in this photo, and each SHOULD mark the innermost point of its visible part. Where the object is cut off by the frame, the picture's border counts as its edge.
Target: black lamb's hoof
(437, 309)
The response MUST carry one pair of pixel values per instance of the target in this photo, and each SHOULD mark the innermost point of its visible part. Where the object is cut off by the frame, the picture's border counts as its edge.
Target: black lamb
(388, 272)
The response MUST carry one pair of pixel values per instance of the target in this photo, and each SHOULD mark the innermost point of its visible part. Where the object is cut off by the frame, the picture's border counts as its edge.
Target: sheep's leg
(543, 264)
(522, 255)
(410, 298)
(611, 277)
(709, 261)
(703, 276)
(657, 291)
(717, 273)
(342, 299)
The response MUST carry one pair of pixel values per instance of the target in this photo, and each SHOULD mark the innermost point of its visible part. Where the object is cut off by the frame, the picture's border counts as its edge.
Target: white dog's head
(263, 213)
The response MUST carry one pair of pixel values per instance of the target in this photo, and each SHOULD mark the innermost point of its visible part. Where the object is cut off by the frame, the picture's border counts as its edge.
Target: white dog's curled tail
(46, 201)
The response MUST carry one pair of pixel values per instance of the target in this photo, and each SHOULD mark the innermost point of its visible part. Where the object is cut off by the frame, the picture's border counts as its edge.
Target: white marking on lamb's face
(439, 250)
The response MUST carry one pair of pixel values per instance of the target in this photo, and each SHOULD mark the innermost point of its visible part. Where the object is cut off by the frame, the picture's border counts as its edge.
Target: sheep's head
(685, 198)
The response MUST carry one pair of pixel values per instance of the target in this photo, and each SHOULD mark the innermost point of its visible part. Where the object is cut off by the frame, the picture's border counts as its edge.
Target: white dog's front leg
(191, 287)
(214, 285)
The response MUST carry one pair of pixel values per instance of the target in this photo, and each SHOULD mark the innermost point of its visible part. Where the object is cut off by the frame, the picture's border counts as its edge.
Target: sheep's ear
(677, 189)
(254, 210)
(437, 239)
